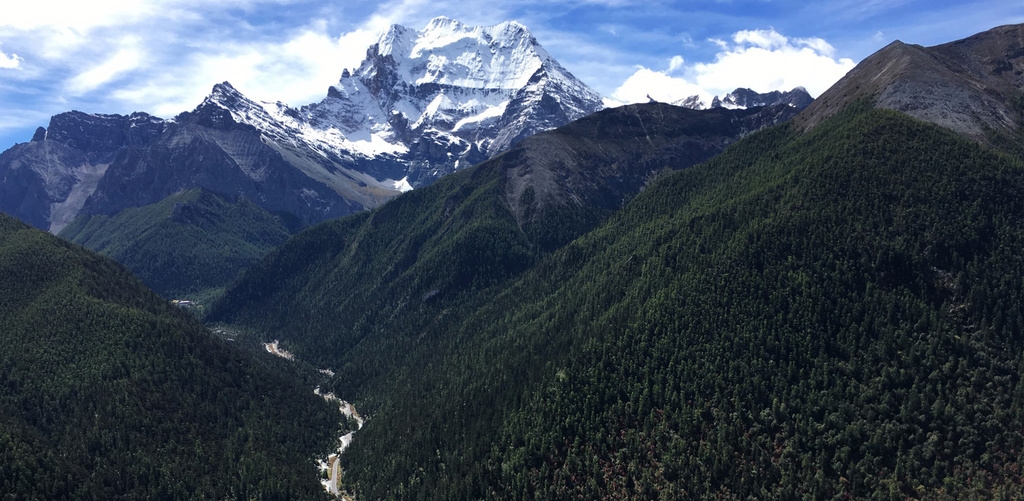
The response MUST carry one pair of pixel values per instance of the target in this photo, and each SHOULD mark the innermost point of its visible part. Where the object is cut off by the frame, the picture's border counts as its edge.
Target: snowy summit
(424, 103)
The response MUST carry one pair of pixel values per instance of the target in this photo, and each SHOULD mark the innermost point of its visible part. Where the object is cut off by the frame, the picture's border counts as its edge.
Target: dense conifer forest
(109, 392)
(189, 245)
(831, 314)
(649, 303)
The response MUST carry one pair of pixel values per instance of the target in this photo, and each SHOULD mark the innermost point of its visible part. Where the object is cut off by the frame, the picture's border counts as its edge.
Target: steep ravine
(332, 484)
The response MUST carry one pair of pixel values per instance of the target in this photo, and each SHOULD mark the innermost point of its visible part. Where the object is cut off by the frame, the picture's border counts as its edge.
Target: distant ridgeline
(422, 104)
(830, 308)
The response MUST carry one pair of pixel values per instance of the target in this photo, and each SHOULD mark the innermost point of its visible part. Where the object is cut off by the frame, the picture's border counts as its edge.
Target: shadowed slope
(107, 391)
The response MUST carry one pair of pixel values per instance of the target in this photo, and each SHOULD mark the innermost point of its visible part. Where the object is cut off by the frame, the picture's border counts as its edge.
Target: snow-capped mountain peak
(447, 52)
(453, 94)
(422, 103)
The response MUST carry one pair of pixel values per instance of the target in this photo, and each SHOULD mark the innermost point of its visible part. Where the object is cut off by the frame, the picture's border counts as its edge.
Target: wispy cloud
(9, 62)
(121, 62)
(296, 70)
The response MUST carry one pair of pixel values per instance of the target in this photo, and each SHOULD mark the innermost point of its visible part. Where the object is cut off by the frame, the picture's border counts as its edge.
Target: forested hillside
(190, 244)
(355, 293)
(821, 315)
(109, 392)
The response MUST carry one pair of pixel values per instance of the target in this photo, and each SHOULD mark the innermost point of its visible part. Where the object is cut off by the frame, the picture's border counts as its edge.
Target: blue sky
(163, 56)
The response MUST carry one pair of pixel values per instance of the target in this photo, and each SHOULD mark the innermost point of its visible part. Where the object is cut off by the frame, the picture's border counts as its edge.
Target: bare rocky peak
(967, 86)
(101, 135)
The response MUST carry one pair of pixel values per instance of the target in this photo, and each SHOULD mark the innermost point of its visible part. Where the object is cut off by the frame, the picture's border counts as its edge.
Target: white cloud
(83, 17)
(11, 62)
(647, 84)
(296, 70)
(765, 39)
(675, 63)
(762, 60)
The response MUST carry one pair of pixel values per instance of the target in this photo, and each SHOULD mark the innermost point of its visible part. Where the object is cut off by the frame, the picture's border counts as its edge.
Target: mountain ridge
(971, 86)
(186, 245)
(473, 229)
(747, 98)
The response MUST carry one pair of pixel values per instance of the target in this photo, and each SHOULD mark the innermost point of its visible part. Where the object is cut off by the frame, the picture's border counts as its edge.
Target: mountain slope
(823, 315)
(972, 86)
(338, 292)
(207, 149)
(47, 181)
(107, 391)
(187, 244)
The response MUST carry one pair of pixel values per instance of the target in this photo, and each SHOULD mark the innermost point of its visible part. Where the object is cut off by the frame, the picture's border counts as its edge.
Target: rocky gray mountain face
(46, 182)
(424, 103)
(207, 149)
(972, 86)
(600, 161)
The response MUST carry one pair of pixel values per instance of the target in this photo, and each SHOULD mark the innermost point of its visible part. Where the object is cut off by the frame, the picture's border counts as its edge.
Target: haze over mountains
(735, 299)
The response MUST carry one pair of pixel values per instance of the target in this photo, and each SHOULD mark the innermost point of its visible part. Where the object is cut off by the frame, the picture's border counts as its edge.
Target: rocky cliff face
(207, 149)
(972, 86)
(46, 182)
(600, 161)
(103, 135)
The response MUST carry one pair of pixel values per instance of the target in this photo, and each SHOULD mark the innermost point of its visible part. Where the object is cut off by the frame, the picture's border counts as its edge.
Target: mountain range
(647, 302)
(440, 245)
(423, 104)
(746, 98)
